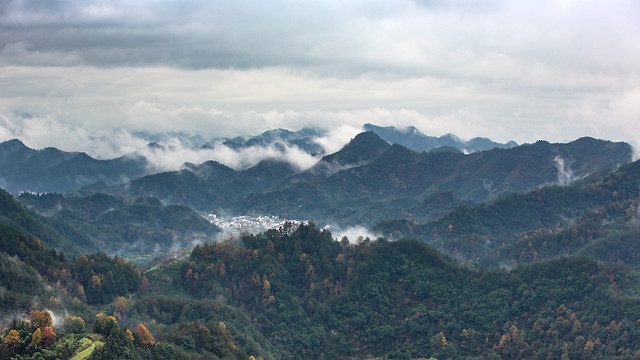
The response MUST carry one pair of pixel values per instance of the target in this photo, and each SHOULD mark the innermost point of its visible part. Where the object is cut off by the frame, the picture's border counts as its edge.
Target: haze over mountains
(53, 170)
(369, 182)
(447, 212)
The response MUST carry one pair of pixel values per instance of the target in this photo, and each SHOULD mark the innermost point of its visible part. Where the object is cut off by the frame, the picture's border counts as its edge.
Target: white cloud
(337, 137)
(169, 154)
(172, 155)
(354, 234)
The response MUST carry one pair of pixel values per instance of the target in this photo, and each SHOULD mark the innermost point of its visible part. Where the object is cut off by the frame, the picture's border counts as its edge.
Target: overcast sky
(508, 70)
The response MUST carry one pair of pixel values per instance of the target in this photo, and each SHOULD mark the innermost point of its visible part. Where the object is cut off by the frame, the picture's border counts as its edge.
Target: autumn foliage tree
(12, 341)
(143, 336)
(36, 338)
(48, 336)
(40, 319)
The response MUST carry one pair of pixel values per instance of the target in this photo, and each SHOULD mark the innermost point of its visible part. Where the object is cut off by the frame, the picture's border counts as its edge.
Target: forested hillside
(598, 217)
(298, 293)
(314, 297)
(138, 229)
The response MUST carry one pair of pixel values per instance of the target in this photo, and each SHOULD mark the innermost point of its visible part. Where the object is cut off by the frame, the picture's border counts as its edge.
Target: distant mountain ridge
(415, 140)
(53, 170)
(304, 139)
(399, 179)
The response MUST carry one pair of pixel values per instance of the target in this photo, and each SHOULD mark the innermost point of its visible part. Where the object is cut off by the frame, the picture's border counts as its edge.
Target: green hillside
(542, 224)
(137, 229)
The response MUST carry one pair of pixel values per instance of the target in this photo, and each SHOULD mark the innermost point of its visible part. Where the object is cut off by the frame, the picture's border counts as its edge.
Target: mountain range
(527, 252)
(368, 182)
(415, 140)
(370, 176)
(53, 170)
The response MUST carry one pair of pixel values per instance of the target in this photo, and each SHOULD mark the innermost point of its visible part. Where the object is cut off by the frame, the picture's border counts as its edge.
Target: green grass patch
(88, 351)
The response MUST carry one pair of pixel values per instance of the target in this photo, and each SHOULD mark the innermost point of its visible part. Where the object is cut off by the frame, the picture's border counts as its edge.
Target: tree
(36, 338)
(77, 325)
(121, 304)
(129, 334)
(439, 341)
(48, 336)
(40, 318)
(12, 341)
(74, 324)
(105, 324)
(269, 248)
(143, 336)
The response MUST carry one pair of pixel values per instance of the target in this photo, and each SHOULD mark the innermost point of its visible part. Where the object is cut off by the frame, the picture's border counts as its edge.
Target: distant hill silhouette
(53, 170)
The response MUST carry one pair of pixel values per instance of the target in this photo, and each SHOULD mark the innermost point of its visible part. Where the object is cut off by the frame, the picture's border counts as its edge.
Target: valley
(464, 249)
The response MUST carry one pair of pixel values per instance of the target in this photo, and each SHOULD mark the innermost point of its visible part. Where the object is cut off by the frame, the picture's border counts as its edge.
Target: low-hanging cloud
(354, 234)
(168, 154)
(172, 154)
(337, 137)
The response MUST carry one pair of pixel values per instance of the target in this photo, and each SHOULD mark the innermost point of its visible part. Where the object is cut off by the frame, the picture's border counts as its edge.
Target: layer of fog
(172, 154)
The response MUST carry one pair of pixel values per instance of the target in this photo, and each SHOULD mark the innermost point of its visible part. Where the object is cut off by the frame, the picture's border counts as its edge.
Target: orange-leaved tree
(143, 336)
(40, 318)
(12, 341)
(48, 336)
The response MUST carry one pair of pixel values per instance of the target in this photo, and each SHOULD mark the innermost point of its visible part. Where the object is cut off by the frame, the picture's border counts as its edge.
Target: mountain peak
(364, 147)
(13, 145)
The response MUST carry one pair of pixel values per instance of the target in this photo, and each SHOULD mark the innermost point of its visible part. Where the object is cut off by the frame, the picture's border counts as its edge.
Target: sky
(84, 75)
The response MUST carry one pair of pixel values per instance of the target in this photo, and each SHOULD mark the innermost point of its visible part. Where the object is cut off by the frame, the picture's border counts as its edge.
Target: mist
(337, 137)
(172, 155)
(168, 154)
(565, 174)
(355, 233)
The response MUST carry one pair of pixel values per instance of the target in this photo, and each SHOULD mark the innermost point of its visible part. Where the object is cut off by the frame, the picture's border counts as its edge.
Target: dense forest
(595, 214)
(298, 293)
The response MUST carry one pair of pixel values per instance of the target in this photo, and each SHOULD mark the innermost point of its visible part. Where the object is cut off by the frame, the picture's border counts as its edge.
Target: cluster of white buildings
(249, 222)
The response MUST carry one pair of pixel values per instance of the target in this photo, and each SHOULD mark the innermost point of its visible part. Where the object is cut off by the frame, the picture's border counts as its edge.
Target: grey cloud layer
(521, 70)
(420, 38)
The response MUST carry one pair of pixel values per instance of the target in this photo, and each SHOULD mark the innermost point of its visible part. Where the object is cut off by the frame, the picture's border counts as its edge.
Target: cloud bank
(522, 71)
(172, 154)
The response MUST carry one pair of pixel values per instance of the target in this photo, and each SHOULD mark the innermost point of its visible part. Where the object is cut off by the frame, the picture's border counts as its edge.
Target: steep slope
(53, 234)
(361, 149)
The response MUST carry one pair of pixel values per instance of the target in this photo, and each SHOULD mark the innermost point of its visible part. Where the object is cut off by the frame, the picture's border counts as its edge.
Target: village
(249, 223)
